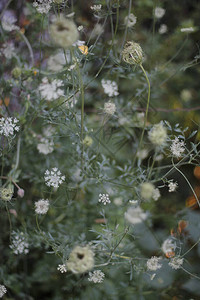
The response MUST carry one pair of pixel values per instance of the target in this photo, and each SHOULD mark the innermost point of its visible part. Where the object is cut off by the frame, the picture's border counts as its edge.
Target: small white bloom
(110, 87)
(3, 290)
(51, 91)
(130, 20)
(109, 108)
(163, 29)
(54, 177)
(135, 202)
(8, 50)
(153, 263)
(104, 198)
(42, 6)
(142, 154)
(80, 28)
(8, 126)
(159, 12)
(177, 147)
(118, 201)
(147, 190)
(42, 206)
(62, 268)
(158, 134)
(57, 61)
(8, 23)
(135, 215)
(96, 276)
(71, 67)
(156, 194)
(20, 243)
(96, 7)
(172, 185)
(187, 29)
(45, 146)
(176, 262)
(169, 245)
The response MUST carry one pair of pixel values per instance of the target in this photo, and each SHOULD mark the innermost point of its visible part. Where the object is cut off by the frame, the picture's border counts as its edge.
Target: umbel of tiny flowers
(19, 244)
(153, 263)
(132, 53)
(172, 185)
(96, 276)
(42, 206)
(3, 290)
(147, 190)
(64, 32)
(176, 262)
(54, 177)
(8, 126)
(135, 215)
(177, 147)
(62, 268)
(158, 135)
(109, 108)
(6, 194)
(104, 198)
(81, 260)
(51, 90)
(110, 87)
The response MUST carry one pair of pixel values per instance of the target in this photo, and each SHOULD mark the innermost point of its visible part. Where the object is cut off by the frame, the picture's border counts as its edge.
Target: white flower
(156, 194)
(8, 126)
(153, 263)
(8, 50)
(96, 276)
(79, 43)
(159, 12)
(42, 206)
(62, 268)
(135, 215)
(45, 146)
(104, 198)
(42, 6)
(162, 29)
(118, 201)
(172, 186)
(110, 87)
(19, 243)
(147, 190)
(96, 7)
(80, 28)
(158, 134)
(8, 23)
(142, 154)
(71, 67)
(3, 290)
(48, 131)
(176, 262)
(51, 91)
(177, 147)
(169, 245)
(54, 177)
(56, 62)
(109, 108)
(130, 20)
(187, 29)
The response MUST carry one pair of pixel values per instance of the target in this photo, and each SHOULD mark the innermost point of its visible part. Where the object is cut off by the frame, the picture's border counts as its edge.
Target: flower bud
(20, 193)
(16, 72)
(132, 53)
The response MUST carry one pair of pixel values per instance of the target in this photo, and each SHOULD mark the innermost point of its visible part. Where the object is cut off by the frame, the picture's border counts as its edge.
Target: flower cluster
(172, 186)
(3, 290)
(109, 108)
(96, 276)
(54, 177)
(62, 268)
(159, 12)
(8, 50)
(8, 23)
(110, 87)
(176, 262)
(42, 206)
(45, 146)
(177, 147)
(96, 7)
(153, 263)
(51, 91)
(42, 6)
(135, 215)
(81, 260)
(8, 126)
(158, 135)
(20, 243)
(130, 20)
(104, 198)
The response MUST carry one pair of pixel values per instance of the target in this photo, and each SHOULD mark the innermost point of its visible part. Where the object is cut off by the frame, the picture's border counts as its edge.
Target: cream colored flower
(81, 260)
(132, 53)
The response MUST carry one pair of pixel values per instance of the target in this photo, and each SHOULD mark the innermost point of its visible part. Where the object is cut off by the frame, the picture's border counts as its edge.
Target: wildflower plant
(100, 150)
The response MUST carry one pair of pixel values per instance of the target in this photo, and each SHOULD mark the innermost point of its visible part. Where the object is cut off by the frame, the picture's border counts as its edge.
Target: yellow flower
(83, 49)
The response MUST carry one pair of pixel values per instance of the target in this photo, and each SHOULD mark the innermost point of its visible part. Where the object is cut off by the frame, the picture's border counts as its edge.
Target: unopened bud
(20, 193)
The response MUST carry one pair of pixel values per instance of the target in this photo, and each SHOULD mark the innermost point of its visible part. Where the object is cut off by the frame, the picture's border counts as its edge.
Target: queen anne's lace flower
(158, 134)
(147, 190)
(20, 243)
(159, 12)
(96, 276)
(163, 29)
(109, 108)
(104, 198)
(8, 23)
(62, 268)
(42, 6)
(177, 147)
(81, 260)
(135, 215)
(153, 263)
(96, 7)
(130, 20)
(156, 194)
(54, 177)
(3, 290)
(8, 126)
(42, 206)
(45, 146)
(110, 87)
(172, 186)
(176, 262)
(187, 29)
(169, 245)
(51, 91)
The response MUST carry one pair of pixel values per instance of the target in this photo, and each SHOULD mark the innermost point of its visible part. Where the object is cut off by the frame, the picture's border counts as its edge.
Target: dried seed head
(132, 53)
